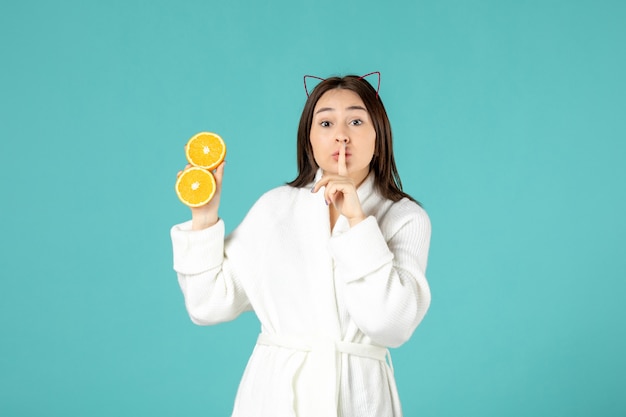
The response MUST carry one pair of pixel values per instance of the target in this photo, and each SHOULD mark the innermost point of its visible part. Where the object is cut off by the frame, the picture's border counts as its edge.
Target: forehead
(339, 98)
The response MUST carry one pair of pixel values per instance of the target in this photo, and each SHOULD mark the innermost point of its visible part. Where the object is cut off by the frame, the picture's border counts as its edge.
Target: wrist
(353, 221)
(203, 221)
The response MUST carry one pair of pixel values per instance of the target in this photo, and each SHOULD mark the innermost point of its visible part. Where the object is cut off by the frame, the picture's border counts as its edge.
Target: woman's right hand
(206, 215)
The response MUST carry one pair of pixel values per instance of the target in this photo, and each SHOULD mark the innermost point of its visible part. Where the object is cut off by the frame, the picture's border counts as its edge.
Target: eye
(356, 122)
(325, 123)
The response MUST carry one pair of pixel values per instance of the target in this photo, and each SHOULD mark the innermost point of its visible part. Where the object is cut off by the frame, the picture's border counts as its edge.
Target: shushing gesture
(340, 190)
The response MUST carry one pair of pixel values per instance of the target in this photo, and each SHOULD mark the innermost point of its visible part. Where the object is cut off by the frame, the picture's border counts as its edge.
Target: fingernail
(312, 188)
(326, 201)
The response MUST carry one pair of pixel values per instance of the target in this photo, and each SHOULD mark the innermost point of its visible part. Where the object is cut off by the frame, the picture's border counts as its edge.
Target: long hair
(386, 177)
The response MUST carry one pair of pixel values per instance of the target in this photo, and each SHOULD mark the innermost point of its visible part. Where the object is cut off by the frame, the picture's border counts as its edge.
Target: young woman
(332, 264)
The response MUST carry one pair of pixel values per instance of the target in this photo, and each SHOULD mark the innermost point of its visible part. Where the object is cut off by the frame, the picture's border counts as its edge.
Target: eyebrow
(347, 108)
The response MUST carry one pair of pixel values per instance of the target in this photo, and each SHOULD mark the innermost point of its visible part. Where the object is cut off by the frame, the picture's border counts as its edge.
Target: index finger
(342, 169)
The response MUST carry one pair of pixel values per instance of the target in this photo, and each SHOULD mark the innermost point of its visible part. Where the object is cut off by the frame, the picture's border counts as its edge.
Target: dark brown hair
(386, 177)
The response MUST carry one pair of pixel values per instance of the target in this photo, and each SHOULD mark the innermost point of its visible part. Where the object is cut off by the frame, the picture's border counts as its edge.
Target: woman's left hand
(341, 192)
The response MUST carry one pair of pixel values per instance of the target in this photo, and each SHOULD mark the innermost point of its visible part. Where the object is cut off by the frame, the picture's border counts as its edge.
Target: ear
(305, 87)
(372, 73)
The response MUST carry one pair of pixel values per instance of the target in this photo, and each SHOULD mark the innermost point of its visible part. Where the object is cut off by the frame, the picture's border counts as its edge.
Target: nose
(342, 139)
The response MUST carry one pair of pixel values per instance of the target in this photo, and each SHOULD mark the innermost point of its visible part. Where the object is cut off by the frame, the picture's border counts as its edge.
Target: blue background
(509, 125)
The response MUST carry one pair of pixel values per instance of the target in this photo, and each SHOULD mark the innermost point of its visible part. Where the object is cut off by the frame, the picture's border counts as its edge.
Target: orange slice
(206, 150)
(195, 186)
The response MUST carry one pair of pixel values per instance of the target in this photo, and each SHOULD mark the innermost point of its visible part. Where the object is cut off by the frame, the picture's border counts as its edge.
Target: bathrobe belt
(319, 395)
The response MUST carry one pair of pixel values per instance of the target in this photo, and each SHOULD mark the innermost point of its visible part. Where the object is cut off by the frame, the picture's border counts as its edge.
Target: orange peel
(195, 186)
(206, 150)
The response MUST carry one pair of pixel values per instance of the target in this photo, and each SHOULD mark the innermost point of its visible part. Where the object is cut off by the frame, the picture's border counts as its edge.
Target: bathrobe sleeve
(382, 263)
(212, 290)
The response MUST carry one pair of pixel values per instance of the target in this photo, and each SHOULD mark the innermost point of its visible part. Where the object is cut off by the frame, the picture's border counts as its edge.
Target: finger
(333, 191)
(185, 169)
(219, 174)
(342, 169)
(328, 195)
(321, 183)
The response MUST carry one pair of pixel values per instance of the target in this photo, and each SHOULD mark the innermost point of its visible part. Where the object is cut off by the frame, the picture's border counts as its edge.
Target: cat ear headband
(360, 78)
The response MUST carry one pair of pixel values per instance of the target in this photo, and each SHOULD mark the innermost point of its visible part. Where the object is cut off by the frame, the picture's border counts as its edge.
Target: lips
(336, 156)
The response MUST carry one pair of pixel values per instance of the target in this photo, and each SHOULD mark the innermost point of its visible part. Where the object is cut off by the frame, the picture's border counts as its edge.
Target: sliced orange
(195, 186)
(206, 150)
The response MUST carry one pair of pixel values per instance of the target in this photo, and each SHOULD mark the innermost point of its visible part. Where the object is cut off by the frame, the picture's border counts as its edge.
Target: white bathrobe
(329, 303)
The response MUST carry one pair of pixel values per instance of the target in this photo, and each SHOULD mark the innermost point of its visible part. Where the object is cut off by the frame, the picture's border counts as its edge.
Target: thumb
(219, 174)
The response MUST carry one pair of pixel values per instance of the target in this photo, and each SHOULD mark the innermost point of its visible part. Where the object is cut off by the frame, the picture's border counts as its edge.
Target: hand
(207, 215)
(341, 191)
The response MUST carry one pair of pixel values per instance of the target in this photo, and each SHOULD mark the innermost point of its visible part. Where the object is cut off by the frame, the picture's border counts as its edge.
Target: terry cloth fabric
(329, 302)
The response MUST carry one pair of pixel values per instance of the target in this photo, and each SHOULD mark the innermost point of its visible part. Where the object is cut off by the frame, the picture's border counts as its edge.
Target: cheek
(315, 146)
(317, 139)
(372, 143)
(314, 142)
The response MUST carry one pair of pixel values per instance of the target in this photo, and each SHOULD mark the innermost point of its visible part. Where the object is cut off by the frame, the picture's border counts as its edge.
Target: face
(340, 116)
